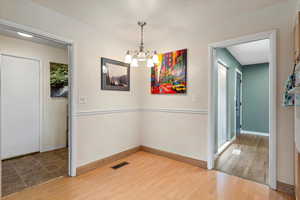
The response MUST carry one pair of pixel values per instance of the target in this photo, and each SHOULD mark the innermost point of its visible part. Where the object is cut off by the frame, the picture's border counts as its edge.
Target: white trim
(0, 111)
(35, 32)
(72, 82)
(72, 133)
(126, 110)
(105, 111)
(40, 80)
(243, 39)
(239, 71)
(272, 35)
(223, 63)
(254, 133)
(212, 103)
(171, 110)
(45, 149)
(272, 111)
(224, 147)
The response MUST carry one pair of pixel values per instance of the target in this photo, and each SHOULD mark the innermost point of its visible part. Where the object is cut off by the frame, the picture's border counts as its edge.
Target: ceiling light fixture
(133, 57)
(25, 35)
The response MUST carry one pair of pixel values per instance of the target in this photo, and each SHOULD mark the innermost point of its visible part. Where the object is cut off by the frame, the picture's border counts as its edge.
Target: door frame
(40, 80)
(72, 83)
(237, 71)
(212, 114)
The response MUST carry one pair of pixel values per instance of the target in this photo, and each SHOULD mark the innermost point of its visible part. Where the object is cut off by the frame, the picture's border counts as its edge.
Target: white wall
(93, 132)
(185, 25)
(157, 126)
(54, 122)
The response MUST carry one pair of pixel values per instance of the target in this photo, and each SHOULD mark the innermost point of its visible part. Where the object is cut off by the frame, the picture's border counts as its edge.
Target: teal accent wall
(225, 56)
(255, 97)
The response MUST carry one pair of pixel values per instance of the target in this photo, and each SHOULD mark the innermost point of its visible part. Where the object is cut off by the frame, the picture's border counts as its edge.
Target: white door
(222, 105)
(20, 110)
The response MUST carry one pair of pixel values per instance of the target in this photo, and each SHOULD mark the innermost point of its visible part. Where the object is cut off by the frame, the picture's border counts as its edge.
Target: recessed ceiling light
(25, 35)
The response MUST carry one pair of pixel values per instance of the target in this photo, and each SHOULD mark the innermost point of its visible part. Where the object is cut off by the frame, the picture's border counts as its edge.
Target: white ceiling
(252, 52)
(10, 32)
(163, 16)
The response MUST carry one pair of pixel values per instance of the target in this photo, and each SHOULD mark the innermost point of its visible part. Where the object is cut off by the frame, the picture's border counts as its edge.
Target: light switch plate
(82, 100)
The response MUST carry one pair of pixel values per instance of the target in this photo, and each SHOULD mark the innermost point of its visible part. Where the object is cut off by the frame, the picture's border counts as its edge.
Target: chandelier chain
(142, 24)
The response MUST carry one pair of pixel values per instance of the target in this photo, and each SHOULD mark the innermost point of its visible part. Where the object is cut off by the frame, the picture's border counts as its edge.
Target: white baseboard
(224, 147)
(53, 148)
(254, 133)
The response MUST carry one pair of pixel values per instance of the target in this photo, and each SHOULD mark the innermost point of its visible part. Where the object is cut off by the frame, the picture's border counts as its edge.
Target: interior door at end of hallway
(238, 103)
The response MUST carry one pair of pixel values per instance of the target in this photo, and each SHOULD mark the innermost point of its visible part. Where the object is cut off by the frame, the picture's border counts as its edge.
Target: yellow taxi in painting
(179, 88)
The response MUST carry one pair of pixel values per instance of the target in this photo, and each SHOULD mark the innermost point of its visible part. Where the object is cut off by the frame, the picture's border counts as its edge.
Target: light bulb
(141, 56)
(134, 62)
(128, 58)
(155, 58)
(150, 63)
(104, 69)
(25, 35)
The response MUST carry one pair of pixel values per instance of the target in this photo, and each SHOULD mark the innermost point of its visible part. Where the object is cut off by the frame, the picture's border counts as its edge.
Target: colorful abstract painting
(169, 75)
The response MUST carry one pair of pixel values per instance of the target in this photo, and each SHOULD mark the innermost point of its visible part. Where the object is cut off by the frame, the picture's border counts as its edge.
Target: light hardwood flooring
(253, 161)
(150, 177)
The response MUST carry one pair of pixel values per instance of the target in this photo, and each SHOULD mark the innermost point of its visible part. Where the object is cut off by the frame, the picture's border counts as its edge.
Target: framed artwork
(115, 75)
(58, 80)
(169, 76)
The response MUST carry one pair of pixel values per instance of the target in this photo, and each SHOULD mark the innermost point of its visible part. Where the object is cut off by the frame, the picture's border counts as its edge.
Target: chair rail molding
(173, 110)
(105, 111)
(126, 110)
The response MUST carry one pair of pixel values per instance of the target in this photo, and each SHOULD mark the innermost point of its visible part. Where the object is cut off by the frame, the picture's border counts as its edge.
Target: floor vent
(122, 164)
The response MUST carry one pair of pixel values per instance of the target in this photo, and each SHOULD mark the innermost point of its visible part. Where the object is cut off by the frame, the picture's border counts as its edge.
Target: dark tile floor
(27, 171)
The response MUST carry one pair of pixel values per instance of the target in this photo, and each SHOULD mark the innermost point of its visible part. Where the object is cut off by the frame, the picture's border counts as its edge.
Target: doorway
(247, 154)
(30, 155)
(238, 102)
(238, 105)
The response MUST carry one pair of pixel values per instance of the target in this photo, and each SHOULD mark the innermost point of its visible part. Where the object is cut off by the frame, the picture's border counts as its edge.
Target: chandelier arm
(141, 54)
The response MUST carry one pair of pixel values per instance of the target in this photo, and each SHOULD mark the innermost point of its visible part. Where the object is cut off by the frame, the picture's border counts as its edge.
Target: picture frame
(59, 80)
(169, 75)
(115, 75)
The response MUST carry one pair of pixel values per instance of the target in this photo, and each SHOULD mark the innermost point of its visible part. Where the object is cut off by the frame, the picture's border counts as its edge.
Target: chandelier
(134, 57)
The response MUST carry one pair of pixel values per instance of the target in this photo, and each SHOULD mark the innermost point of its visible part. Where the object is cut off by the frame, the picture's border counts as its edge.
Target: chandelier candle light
(134, 57)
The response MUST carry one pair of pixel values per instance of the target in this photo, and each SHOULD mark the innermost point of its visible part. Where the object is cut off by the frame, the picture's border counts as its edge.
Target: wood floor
(150, 177)
(253, 161)
(27, 171)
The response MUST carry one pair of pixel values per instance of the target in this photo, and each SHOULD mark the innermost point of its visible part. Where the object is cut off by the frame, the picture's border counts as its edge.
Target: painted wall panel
(180, 133)
(255, 98)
